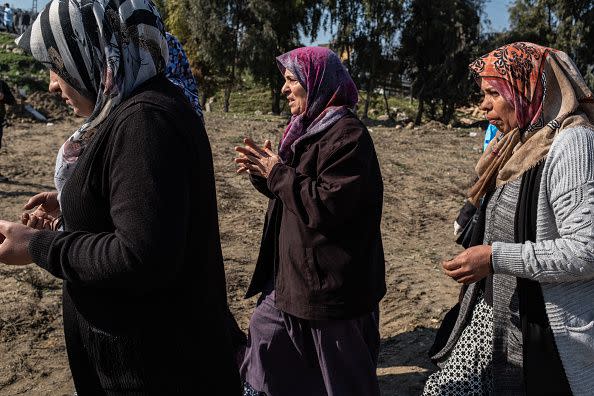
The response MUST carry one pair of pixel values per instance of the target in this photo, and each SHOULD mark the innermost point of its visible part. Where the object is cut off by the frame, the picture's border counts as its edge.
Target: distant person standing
(25, 21)
(8, 18)
(6, 97)
(16, 21)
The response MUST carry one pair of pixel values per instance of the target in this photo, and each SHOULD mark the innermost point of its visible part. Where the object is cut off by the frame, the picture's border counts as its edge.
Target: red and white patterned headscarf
(548, 94)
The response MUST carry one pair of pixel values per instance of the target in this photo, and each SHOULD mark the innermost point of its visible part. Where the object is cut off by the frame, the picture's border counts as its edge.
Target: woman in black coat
(320, 272)
(145, 309)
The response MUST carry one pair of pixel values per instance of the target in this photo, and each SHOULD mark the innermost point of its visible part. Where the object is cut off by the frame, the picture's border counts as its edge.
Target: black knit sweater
(144, 290)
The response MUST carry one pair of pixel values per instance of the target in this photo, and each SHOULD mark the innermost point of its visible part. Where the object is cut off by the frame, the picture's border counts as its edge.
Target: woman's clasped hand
(255, 160)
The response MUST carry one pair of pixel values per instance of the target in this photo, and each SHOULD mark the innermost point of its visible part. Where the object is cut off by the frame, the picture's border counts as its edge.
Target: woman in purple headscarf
(320, 272)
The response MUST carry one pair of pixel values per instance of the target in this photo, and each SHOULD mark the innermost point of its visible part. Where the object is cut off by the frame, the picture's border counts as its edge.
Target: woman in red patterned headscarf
(526, 321)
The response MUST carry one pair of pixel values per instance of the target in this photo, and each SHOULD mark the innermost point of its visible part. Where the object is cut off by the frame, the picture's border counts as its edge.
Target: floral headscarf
(178, 72)
(548, 94)
(104, 49)
(331, 94)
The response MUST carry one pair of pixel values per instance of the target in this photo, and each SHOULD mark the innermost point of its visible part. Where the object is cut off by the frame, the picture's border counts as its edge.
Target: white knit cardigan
(562, 258)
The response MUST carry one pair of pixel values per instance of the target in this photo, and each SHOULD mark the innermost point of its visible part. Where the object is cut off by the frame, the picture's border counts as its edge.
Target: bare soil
(426, 171)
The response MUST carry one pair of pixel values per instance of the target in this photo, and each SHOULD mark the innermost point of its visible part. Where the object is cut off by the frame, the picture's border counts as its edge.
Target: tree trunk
(203, 96)
(447, 113)
(274, 83)
(386, 102)
(420, 107)
(419, 110)
(228, 89)
(366, 108)
(231, 82)
(432, 109)
(275, 101)
(368, 97)
(227, 96)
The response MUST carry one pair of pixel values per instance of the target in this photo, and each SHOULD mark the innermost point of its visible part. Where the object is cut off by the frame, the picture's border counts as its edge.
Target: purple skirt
(289, 356)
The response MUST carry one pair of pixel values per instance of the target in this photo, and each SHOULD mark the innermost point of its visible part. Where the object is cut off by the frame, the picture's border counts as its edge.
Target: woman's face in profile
(81, 105)
(295, 93)
(497, 110)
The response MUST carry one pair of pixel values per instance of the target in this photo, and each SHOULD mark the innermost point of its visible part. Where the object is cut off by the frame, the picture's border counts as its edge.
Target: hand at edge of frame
(14, 243)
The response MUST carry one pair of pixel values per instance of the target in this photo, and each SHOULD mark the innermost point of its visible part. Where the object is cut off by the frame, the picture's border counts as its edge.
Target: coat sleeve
(328, 200)
(149, 187)
(569, 254)
(260, 184)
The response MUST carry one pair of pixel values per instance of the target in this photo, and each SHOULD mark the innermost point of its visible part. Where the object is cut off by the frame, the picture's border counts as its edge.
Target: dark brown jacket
(322, 244)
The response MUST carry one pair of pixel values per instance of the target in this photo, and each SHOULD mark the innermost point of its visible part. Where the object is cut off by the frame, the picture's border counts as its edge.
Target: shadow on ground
(404, 364)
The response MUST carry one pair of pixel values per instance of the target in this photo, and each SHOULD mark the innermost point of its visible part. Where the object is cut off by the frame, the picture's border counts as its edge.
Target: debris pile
(39, 106)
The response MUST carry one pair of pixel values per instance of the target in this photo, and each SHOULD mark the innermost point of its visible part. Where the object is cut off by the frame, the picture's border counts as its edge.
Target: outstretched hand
(46, 214)
(471, 265)
(256, 160)
(14, 243)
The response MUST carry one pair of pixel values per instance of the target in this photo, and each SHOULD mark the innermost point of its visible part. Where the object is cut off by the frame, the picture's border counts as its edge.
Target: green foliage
(162, 7)
(6, 38)
(429, 41)
(245, 100)
(272, 28)
(19, 69)
(366, 35)
(567, 25)
(532, 20)
(225, 37)
(439, 40)
(253, 97)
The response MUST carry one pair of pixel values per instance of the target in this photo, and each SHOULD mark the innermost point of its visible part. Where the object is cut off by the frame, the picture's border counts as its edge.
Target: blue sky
(496, 11)
(25, 4)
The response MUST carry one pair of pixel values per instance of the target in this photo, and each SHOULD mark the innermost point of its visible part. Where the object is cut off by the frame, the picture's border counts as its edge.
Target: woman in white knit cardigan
(526, 320)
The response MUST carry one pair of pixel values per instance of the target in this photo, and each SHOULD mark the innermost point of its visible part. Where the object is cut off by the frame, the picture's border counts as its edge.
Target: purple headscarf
(331, 93)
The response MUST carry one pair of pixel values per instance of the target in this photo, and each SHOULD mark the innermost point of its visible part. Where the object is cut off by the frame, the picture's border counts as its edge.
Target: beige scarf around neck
(567, 102)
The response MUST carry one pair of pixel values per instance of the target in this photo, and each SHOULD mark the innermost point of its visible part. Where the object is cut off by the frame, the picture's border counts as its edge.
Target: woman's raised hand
(255, 160)
(46, 213)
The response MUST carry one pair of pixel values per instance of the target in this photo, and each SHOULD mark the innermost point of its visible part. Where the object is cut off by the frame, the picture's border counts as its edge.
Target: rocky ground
(426, 171)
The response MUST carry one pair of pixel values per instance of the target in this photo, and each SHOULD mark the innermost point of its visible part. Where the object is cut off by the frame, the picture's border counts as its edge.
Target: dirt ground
(426, 171)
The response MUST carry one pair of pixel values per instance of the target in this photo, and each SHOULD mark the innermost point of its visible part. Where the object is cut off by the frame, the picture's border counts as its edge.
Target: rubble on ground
(50, 105)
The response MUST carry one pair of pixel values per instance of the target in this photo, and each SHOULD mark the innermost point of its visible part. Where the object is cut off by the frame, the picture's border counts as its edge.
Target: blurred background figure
(6, 97)
(490, 133)
(179, 72)
(25, 21)
(8, 18)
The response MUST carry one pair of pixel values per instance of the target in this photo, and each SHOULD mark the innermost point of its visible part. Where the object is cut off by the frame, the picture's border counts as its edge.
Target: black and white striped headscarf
(104, 49)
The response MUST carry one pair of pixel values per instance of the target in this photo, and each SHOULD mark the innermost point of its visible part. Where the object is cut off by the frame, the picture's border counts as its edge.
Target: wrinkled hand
(45, 216)
(255, 160)
(14, 243)
(471, 265)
